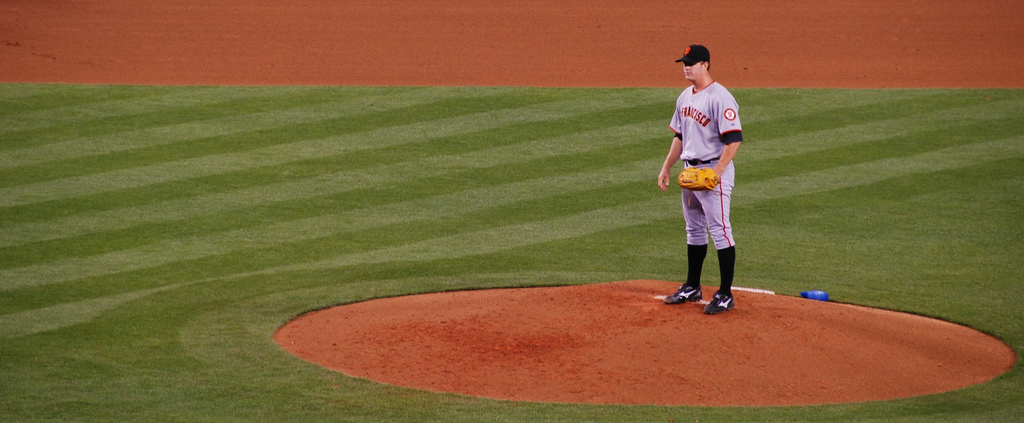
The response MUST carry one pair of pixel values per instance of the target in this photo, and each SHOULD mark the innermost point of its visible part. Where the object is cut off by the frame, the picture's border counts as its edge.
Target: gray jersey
(704, 120)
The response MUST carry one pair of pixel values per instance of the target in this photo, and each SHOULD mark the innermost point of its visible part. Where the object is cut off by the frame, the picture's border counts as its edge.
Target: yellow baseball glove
(698, 179)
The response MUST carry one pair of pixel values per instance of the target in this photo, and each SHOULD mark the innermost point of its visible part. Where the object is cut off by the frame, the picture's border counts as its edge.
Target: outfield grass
(153, 238)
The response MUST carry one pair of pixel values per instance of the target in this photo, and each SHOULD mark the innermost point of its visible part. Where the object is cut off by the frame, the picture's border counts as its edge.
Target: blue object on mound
(815, 295)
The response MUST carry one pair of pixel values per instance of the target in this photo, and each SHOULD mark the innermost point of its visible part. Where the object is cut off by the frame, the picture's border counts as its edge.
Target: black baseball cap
(695, 53)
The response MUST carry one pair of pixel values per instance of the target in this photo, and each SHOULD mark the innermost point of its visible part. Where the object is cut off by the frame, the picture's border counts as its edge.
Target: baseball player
(707, 135)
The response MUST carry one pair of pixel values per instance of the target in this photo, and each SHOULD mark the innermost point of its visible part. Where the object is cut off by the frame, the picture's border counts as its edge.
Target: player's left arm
(732, 132)
(727, 154)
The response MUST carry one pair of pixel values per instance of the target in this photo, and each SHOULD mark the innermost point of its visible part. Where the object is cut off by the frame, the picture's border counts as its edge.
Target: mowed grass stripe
(29, 98)
(349, 181)
(832, 138)
(205, 98)
(956, 157)
(515, 236)
(67, 314)
(501, 238)
(332, 184)
(443, 106)
(758, 150)
(324, 226)
(813, 105)
(388, 137)
(60, 107)
(138, 102)
(755, 150)
(770, 148)
(323, 185)
(338, 107)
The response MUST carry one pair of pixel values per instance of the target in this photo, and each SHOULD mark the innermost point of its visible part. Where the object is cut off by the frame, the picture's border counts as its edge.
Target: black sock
(695, 263)
(727, 265)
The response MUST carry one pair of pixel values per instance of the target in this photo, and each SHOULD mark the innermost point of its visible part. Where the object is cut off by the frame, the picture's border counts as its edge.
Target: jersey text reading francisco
(696, 115)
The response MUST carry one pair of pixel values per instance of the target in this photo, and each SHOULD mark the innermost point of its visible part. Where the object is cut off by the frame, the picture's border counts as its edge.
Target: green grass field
(153, 238)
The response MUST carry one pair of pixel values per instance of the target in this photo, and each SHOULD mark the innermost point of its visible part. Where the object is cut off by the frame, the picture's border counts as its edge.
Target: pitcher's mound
(617, 343)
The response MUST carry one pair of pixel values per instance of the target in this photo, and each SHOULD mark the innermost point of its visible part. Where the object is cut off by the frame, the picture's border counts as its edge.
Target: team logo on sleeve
(729, 114)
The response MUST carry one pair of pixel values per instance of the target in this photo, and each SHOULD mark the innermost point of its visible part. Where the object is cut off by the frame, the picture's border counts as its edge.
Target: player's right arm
(666, 168)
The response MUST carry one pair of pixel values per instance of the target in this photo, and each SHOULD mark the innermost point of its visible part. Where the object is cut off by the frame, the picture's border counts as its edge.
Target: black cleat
(685, 294)
(721, 302)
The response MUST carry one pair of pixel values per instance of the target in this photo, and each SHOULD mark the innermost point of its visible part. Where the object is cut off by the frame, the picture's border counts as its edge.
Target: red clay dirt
(608, 43)
(616, 343)
(605, 343)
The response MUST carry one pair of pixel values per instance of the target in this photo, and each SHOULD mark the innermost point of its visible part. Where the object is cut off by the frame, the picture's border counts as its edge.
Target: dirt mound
(617, 343)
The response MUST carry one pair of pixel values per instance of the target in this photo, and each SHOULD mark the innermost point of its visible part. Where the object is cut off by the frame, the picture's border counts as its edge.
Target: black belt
(696, 162)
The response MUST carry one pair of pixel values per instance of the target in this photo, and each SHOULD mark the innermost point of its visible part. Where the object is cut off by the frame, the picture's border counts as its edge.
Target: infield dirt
(608, 43)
